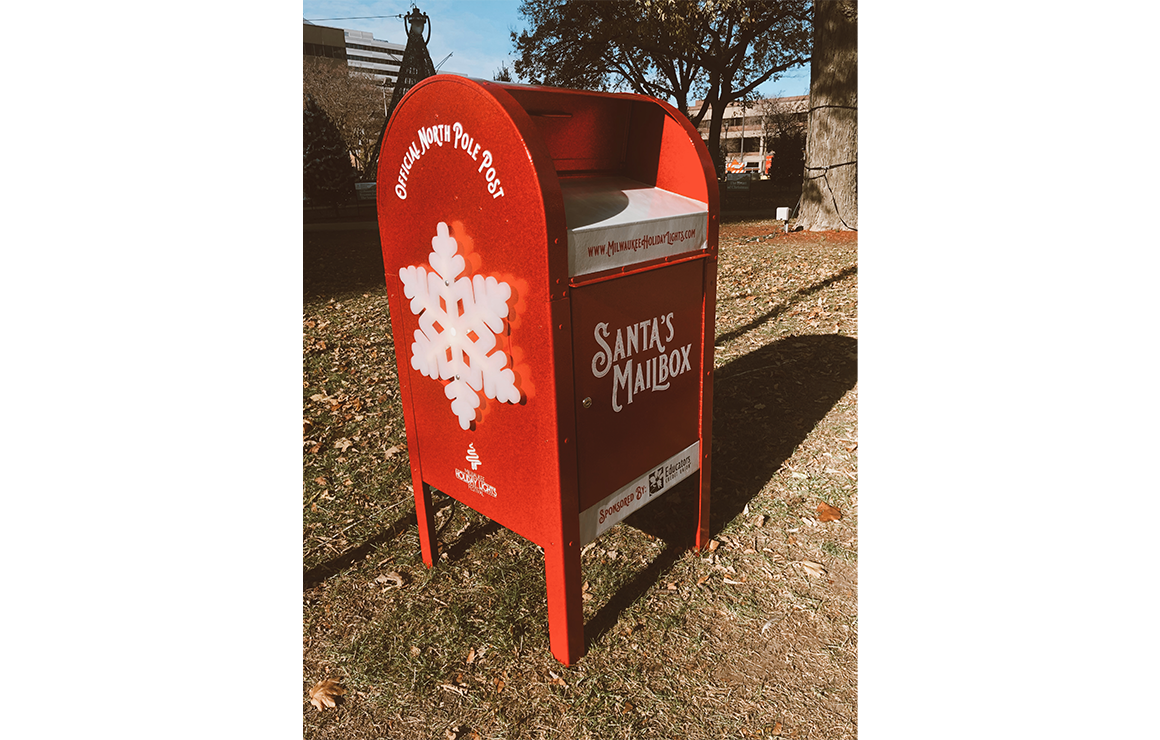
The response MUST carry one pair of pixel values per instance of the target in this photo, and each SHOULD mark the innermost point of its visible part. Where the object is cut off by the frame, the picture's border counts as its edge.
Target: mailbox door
(637, 344)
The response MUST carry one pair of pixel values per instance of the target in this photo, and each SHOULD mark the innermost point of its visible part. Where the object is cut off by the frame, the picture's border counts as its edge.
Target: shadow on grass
(336, 263)
(355, 555)
(765, 403)
(760, 201)
(319, 573)
(785, 304)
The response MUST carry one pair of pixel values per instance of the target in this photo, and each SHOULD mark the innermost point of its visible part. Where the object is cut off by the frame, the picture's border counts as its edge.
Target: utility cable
(354, 18)
(825, 169)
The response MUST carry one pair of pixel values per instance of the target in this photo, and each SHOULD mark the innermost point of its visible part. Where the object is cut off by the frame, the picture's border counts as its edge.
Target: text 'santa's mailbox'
(551, 263)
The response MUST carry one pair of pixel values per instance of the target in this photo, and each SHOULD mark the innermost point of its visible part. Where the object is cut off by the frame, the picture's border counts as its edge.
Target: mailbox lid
(616, 222)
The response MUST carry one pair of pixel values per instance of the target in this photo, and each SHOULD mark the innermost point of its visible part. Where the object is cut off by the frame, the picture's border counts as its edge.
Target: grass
(745, 641)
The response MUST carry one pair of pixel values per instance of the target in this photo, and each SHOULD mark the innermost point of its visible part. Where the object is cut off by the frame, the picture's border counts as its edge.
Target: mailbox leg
(565, 604)
(425, 513)
(703, 506)
(709, 323)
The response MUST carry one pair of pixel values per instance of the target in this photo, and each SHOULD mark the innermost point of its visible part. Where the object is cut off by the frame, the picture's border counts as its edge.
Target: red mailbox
(551, 263)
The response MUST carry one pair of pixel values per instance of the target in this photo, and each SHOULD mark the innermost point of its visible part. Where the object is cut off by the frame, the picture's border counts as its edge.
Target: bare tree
(353, 100)
(783, 127)
(327, 176)
(718, 50)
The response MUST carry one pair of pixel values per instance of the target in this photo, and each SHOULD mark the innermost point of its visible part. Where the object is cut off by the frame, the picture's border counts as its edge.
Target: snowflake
(459, 318)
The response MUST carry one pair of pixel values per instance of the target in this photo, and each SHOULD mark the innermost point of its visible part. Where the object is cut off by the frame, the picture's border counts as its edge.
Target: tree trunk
(830, 189)
(716, 118)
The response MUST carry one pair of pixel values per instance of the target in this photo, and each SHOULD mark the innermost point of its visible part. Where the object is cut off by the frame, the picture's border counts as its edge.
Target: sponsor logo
(678, 468)
(476, 482)
(473, 457)
(656, 481)
(616, 506)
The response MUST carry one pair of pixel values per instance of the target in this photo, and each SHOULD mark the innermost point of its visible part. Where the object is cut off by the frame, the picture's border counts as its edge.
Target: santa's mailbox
(551, 263)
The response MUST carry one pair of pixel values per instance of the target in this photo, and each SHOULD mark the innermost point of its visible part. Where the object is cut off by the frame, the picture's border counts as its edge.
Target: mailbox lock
(587, 402)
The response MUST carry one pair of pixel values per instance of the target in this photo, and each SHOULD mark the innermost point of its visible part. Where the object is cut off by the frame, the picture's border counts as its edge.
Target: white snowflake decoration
(459, 318)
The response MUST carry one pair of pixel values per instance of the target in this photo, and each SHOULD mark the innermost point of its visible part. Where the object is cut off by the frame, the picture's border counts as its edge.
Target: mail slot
(551, 266)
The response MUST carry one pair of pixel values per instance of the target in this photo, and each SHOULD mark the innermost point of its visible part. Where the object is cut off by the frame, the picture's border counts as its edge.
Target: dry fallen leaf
(827, 513)
(323, 693)
(470, 656)
(392, 578)
(713, 545)
(392, 451)
(815, 570)
(776, 728)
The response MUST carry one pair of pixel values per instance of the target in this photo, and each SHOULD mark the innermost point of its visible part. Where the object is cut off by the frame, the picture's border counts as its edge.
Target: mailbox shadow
(319, 573)
(337, 263)
(785, 304)
(454, 550)
(764, 405)
(595, 206)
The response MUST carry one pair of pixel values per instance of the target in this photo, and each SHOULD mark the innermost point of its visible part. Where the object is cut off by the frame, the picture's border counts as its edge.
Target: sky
(474, 32)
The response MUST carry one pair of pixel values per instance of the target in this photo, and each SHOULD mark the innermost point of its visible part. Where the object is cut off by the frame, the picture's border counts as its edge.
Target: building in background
(379, 58)
(359, 49)
(749, 131)
(320, 41)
